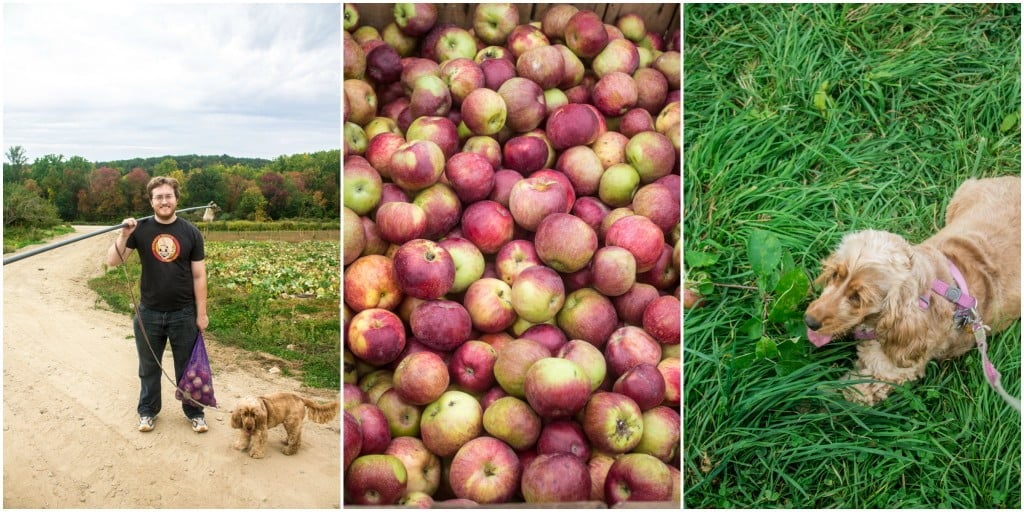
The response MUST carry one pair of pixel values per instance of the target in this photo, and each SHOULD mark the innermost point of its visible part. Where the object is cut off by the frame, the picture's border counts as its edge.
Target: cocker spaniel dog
(909, 304)
(255, 415)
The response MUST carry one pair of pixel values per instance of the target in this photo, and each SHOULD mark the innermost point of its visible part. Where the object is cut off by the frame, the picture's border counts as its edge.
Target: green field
(803, 123)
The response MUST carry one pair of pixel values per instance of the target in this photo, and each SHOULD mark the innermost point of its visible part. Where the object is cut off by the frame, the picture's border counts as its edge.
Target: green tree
(23, 208)
(205, 185)
(252, 204)
(14, 169)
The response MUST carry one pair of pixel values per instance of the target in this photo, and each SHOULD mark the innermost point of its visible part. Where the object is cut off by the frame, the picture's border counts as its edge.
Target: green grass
(279, 298)
(17, 237)
(803, 123)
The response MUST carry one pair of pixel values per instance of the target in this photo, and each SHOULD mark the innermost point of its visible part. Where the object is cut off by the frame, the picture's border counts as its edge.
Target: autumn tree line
(300, 186)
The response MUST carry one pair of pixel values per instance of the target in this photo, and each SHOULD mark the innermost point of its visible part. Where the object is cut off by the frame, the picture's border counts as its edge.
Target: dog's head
(864, 276)
(249, 415)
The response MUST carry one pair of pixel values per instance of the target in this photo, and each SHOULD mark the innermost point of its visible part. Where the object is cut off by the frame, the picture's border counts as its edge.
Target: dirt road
(70, 388)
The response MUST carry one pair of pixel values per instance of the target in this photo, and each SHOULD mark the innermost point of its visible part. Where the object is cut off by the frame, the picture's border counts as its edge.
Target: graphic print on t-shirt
(166, 248)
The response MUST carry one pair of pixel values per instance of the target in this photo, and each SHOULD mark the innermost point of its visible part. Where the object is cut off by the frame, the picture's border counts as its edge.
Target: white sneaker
(146, 423)
(199, 425)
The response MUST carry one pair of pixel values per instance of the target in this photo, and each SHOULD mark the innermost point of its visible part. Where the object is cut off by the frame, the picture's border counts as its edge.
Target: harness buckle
(952, 294)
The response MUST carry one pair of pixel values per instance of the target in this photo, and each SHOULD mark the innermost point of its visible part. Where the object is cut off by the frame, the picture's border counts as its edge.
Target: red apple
(629, 346)
(543, 65)
(524, 101)
(564, 436)
(669, 63)
(630, 306)
(555, 18)
(376, 479)
(614, 270)
(662, 275)
(383, 65)
(361, 100)
(585, 34)
(417, 165)
(644, 384)
(497, 72)
(354, 57)
(484, 112)
(581, 166)
(556, 477)
(640, 236)
(546, 334)
(485, 470)
(374, 427)
(438, 129)
(399, 222)
(512, 421)
(652, 90)
(556, 388)
(489, 303)
(637, 477)
(613, 422)
(513, 257)
(422, 377)
(615, 93)
(661, 319)
(493, 22)
(376, 336)
(661, 434)
(468, 260)
(587, 315)
(656, 202)
(472, 367)
(524, 37)
(532, 199)
(450, 422)
(589, 357)
(669, 368)
(370, 282)
(422, 467)
(572, 125)
(573, 70)
(591, 210)
(599, 464)
(441, 324)
(424, 269)
(538, 293)
(353, 437)
(514, 360)
(442, 209)
(525, 154)
(487, 224)
(415, 19)
(564, 242)
(379, 152)
(651, 154)
(403, 417)
(462, 76)
(486, 147)
(504, 179)
(619, 55)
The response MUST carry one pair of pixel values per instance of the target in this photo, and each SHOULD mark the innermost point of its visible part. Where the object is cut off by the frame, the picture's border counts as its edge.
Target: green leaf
(766, 348)
(764, 251)
(791, 291)
(753, 328)
(1009, 122)
(697, 259)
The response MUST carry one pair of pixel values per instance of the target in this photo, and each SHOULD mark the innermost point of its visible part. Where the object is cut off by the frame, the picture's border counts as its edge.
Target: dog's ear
(902, 325)
(236, 417)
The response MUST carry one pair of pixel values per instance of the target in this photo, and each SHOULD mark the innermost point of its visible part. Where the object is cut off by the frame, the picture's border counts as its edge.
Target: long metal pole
(79, 238)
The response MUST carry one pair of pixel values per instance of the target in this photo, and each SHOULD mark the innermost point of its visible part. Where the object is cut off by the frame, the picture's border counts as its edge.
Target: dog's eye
(854, 298)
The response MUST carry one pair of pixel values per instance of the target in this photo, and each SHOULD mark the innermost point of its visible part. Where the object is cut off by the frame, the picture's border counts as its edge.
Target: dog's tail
(321, 413)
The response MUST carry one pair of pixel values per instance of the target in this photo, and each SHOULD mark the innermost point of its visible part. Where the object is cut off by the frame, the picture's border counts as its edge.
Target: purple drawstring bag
(197, 381)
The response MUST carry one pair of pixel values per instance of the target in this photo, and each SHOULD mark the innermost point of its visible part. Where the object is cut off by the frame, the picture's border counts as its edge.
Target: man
(173, 288)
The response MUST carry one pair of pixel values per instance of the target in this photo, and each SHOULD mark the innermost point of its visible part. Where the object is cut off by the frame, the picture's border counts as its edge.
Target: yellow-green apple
(430, 97)
(379, 151)
(366, 33)
(484, 112)
(450, 422)
(497, 72)
(537, 293)
(487, 224)
(564, 436)
(374, 393)
(669, 368)
(514, 360)
(428, 42)
(613, 422)
(564, 242)
(493, 22)
(629, 346)
(555, 18)
(416, 499)
(422, 467)
(556, 388)
(618, 184)
(403, 417)
(613, 270)
(652, 89)
(581, 166)
(403, 43)
(610, 147)
(471, 175)
(383, 65)
(532, 199)
(637, 477)
(487, 147)
(585, 34)
(417, 165)
(424, 269)
(546, 334)
(661, 434)
(572, 125)
(619, 55)
(643, 383)
(398, 222)
(354, 59)
(543, 65)
(374, 427)
(591, 210)
(454, 43)
(599, 464)
(379, 125)
(554, 98)
(353, 439)
(375, 479)
(361, 100)
(661, 319)
(513, 421)
(524, 101)
(523, 38)
(556, 478)
(421, 377)
(573, 69)
(513, 257)
(441, 324)
(504, 179)
(634, 121)
(376, 336)
(615, 93)
(640, 236)
(489, 303)
(668, 116)
(472, 367)
(462, 76)
(669, 64)
(350, 18)
(355, 139)
(370, 282)
(485, 470)
(647, 56)
(587, 315)
(589, 357)
(373, 377)
(653, 40)
(493, 52)
(443, 209)
(440, 130)
(632, 26)
(354, 239)
(468, 260)
(415, 19)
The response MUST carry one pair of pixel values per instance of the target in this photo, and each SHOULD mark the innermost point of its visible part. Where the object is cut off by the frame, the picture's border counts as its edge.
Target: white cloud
(119, 81)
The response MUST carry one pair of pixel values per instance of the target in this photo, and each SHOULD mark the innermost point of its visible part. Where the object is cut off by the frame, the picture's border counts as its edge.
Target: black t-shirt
(167, 252)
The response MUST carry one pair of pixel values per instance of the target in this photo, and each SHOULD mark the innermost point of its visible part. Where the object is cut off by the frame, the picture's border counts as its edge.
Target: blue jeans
(178, 327)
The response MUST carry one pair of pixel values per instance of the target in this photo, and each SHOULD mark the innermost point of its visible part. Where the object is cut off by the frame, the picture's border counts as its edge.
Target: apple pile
(511, 259)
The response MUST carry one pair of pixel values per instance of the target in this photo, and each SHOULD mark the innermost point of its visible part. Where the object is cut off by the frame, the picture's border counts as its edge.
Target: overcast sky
(109, 82)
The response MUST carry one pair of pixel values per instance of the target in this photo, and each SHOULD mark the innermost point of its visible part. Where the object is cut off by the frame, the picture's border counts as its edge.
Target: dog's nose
(812, 323)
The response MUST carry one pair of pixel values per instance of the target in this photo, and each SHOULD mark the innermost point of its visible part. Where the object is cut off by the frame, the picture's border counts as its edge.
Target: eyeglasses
(167, 197)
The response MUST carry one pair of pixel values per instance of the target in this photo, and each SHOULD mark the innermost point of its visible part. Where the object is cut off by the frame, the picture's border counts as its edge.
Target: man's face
(163, 201)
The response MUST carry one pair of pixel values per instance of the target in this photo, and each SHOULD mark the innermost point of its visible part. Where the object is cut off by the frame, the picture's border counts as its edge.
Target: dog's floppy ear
(236, 417)
(829, 268)
(902, 325)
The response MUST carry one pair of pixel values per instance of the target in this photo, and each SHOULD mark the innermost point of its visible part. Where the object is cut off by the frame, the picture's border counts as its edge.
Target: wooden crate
(660, 18)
